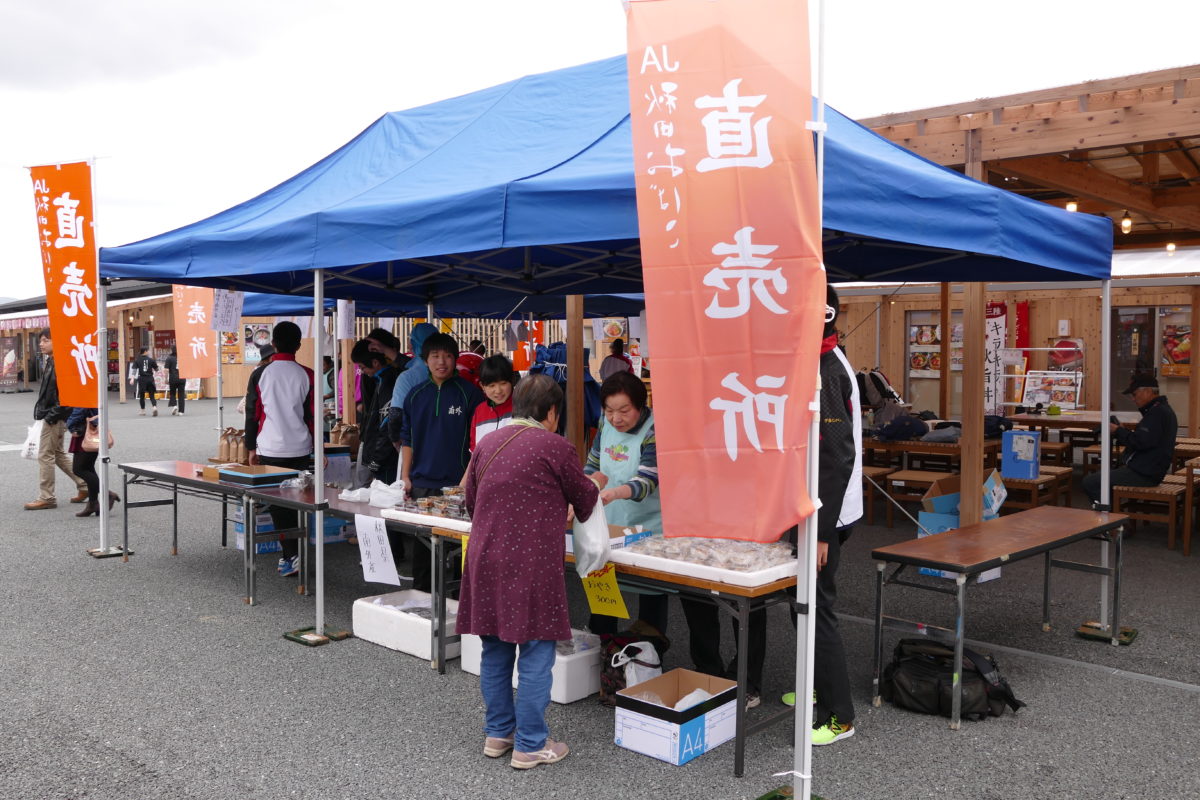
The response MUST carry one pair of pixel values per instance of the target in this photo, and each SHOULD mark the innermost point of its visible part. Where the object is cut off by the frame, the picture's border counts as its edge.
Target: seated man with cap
(1149, 447)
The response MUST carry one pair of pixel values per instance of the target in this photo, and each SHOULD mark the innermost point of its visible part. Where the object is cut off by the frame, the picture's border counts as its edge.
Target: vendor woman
(624, 451)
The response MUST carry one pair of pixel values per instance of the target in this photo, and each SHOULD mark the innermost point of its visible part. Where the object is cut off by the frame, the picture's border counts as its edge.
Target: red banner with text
(731, 251)
(63, 199)
(195, 340)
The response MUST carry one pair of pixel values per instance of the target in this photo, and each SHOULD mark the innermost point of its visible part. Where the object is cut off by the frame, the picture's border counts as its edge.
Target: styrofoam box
(574, 677)
(428, 520)
(385, 624)
(674, 566)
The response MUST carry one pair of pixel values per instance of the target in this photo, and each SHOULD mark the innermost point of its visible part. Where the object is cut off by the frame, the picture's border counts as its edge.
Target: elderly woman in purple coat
(519, 485)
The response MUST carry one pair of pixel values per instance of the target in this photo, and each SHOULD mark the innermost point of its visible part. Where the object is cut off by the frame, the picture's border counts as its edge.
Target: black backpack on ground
(612, 679)
(921, 678)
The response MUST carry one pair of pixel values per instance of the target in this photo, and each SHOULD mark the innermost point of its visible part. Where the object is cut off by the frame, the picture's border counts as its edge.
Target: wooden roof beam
(1183, 162)
(1181, 79)
(1083, 180)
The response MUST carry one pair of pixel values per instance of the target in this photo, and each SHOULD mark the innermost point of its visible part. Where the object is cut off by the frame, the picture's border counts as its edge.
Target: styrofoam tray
(428, 520)
(573, 677)
(687, 568)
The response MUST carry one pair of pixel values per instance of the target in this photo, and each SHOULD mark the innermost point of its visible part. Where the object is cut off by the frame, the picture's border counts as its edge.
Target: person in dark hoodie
(435, 432)
(414, 373)
(378, 454)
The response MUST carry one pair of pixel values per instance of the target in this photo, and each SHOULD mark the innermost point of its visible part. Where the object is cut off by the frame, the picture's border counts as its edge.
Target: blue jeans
(527, 716)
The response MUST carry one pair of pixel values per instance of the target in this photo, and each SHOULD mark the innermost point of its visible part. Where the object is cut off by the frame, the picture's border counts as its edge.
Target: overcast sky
(192, 107)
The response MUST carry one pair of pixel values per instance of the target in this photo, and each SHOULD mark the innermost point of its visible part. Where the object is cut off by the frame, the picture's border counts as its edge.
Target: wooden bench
(1026, 493)
(1064, 477)
(1169, 495)
(876, 475)
(908, 485)
(1059, 453)
(1187, 477)
(973, 549)
(1091, 458)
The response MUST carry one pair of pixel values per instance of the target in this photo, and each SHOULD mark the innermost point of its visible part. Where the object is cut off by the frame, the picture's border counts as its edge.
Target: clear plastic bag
(383, 495)
(302, 481)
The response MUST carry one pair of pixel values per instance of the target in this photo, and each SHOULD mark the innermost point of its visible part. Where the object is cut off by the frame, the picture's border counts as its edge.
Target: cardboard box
(1022, 453)
(617, 538)
(258, 475)
(336, 529)
(383, 623)
(574, 677)
(939, 523)
(674, 736)
(943, 496)
(212, 472)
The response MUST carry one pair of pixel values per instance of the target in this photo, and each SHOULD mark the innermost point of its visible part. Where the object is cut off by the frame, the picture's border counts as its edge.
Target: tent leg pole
(1105, 434)
(104, 550)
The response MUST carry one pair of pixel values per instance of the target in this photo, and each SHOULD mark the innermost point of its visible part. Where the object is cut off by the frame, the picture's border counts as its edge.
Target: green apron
(620, 457)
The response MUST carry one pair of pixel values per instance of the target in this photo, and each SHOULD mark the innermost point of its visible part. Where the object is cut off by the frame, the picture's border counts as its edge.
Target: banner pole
(806, 638)
(102, 407)
(220, 387)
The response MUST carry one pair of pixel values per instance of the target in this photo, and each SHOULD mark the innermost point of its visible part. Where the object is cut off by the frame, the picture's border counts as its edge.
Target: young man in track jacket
(279, 423)
(435, 433)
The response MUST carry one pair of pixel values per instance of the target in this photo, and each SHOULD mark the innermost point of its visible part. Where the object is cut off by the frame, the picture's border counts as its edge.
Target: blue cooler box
(1022, 453)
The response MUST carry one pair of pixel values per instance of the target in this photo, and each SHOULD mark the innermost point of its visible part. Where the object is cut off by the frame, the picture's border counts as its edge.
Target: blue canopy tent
(259, 304)
(526, 190)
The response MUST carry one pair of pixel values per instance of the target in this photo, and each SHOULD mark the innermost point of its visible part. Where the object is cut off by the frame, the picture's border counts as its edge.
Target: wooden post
(970, 506)
(575, 374)
(1194, 370)
(349, 415)
(946, 376)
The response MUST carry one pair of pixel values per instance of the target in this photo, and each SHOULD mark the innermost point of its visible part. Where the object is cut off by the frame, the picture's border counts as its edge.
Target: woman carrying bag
(83, 425)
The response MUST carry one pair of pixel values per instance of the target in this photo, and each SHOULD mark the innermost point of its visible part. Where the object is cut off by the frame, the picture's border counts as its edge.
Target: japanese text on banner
(62, 195)
(195, 339)
(728, 214)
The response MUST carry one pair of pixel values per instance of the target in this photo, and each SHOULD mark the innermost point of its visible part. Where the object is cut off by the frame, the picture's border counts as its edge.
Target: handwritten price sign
(603, 594)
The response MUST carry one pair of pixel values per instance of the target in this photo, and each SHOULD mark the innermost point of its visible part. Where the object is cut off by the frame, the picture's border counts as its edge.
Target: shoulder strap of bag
(994, 685)
(488, 463)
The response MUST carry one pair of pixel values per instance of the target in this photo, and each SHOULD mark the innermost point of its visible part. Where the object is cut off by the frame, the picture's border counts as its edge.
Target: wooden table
(1075, 419)
(975, 548)
(183, 478)
(952, 450)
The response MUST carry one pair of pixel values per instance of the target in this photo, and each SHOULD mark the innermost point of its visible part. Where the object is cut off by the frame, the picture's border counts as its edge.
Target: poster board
(1063, 389)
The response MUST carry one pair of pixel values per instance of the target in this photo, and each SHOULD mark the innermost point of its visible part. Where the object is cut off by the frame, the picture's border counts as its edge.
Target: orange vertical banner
(63, 200)
(195, 340)
(731, 257)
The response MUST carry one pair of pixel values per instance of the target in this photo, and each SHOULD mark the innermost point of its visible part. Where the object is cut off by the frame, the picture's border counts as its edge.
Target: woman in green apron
(624, 450)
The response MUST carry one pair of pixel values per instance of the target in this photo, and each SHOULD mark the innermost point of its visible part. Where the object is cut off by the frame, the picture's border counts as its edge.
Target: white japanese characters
(746, 270)
(84, 354)
(199, 347)
(70, 224)
(731, 138)
(76, 291)
(752, 407)
(196, 314)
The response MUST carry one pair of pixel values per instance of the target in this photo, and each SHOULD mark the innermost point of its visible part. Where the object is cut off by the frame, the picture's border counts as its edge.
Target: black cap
(1142, 381)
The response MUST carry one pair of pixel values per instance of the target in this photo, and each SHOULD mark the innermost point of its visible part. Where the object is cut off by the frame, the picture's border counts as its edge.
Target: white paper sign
(345, 310)
(227, 310)
(375, 551)
(303, 323)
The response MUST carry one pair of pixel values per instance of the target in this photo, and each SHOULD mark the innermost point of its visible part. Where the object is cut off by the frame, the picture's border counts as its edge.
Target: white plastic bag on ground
(591, 542)
(641, 662)
(29, 450)
(692, 698)
(385, 496)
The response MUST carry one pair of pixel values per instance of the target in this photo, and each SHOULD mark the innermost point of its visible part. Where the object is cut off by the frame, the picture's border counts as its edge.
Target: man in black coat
(54, 425)
(1149, 448)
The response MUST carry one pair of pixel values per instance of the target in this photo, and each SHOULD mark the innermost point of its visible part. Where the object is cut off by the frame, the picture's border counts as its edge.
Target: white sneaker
(141, 412)
(174, 411)
(154, 413)
(180, 414)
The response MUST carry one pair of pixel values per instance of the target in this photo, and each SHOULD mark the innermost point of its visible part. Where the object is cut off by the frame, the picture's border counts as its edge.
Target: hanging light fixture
(1126, 223)
(1170, 248)
(1072, 205)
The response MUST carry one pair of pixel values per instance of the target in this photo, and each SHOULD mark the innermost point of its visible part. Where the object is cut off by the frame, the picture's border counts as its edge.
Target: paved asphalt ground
(151, 679)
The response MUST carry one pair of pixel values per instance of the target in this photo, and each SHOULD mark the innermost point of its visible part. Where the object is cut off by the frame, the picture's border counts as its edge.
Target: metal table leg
(878, 649)
(743, 669)
(175, 520)
(224, 521)
(956, 694)
(1118, 537)
(1046, 594)
(438, 583)
(248, 549)
(125, 515)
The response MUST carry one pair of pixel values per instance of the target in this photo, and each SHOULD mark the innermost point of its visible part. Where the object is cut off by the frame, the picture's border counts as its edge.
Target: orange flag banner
(195, 340)
(62, 196)
(731, 257)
